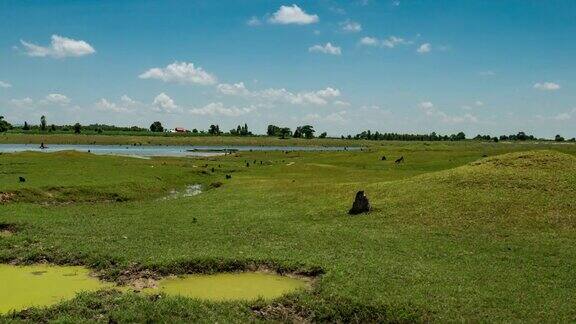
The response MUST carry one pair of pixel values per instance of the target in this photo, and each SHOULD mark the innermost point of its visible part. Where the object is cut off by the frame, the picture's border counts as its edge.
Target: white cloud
(218, 109)
(163, 103)
(396, 3)
(351, 26)
(390, 42)
(56, 98)
(393, 41)
(292, 15)
(342, 103)
(127, 105)
(127, 100)
(326, 49)
(318, 97)
(59, 47)
(547, 86)
(479, 103)
(427, 106)
(233, 89)
(254, 21)
(424, 48)
(369, 41)
(4, 84)
(180, 72)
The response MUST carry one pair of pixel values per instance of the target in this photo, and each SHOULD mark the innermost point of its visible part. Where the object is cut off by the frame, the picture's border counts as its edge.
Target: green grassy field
(459, 232)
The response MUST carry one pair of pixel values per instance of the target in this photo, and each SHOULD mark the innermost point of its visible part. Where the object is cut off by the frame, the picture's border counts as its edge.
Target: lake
(152, 150)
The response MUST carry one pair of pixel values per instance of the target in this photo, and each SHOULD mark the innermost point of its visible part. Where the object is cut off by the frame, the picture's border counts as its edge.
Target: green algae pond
(229, 286)
(23, 287)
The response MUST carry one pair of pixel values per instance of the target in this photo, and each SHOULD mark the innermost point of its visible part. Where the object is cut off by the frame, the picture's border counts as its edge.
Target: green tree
(559, 138)
(156, 127)
(284, 132)
(307, 131)
(323, 135)
(77, 128)
(26, 126)
(4, 125)
(214, 130)
(43, 123)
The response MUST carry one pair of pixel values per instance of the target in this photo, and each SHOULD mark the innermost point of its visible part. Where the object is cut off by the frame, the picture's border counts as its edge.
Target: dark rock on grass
(360, 205)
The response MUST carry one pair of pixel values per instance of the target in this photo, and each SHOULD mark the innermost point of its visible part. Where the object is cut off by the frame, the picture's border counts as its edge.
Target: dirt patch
(282, 313)
(6, 197)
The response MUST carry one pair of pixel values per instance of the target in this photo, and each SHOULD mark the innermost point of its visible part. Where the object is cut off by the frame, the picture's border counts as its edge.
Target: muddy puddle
(22, 287)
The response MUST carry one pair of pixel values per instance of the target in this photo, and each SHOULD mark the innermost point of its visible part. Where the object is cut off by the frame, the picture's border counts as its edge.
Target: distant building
(178, 130)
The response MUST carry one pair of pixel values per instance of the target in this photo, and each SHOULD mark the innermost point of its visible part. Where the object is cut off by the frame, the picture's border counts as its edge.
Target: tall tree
(156, 127)
(43, 123)
(77, 128)
(4, 125)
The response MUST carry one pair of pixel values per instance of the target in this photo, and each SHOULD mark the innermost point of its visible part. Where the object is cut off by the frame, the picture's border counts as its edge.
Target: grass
(454, 236)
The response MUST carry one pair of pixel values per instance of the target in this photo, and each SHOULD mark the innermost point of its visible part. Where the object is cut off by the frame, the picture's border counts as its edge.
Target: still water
(147, 151)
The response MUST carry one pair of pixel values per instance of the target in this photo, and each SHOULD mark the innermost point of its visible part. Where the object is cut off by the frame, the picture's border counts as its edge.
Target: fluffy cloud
(56, 98)
(218, 109)
(318, 97)
(4, 84)
(233, 89)
(369, 41)
(163, 103)
(393, 41)
(326, 49)
(292, 15)
(59, 47)
(126, 105)
(351, 26)
(180, 72)
(424, 48)
(547, 86)
(389, 42)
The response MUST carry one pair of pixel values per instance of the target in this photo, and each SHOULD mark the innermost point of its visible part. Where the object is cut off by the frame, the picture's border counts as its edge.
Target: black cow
(22, 179)
(399, 160)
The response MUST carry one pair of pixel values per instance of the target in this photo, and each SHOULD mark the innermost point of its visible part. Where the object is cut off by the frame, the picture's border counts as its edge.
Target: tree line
(304, 131)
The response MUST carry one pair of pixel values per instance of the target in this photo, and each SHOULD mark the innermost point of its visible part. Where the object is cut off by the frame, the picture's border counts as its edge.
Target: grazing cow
(247, 164)
(212, 169)
(383, 158)
(22, 179)
(399, 160)
(228, 176)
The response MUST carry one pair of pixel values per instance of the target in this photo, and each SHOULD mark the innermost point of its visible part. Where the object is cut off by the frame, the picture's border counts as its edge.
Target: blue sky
(494, 67)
